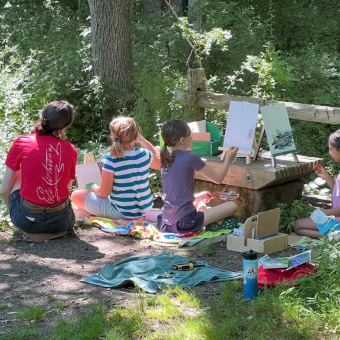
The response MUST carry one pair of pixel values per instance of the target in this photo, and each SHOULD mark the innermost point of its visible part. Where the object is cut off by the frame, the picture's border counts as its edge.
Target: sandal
(229, 222)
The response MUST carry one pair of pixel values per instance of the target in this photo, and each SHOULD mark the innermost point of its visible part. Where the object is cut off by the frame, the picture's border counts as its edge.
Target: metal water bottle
(250, 270)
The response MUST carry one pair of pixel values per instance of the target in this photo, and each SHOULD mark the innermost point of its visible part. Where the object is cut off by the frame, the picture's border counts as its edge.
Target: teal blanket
(152, 273)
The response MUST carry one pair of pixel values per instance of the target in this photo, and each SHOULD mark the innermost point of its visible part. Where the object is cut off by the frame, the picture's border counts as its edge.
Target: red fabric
(273, 277)
(47, 166)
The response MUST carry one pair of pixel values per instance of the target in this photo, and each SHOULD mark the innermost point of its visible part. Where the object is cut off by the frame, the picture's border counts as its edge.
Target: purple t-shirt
(178, 185)
(336, 195)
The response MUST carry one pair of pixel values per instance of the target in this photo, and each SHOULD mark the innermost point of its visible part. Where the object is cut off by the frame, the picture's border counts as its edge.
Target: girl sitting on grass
(124, 192)
(306, 226)
(178, 168)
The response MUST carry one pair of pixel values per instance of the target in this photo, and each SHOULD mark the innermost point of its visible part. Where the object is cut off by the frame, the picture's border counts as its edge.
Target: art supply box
(206, 143)
(260, 234)
(205, 138)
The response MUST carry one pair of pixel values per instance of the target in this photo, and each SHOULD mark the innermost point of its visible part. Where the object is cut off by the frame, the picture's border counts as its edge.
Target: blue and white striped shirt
(131, 193)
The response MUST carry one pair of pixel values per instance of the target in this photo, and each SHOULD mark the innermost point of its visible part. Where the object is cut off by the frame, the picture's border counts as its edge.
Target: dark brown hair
(123, 130)
(334, 140)
(55, 117)
(172, 132)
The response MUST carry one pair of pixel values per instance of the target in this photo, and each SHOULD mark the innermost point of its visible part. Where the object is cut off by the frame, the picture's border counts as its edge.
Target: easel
(256, 146)
(273, 159)
(225, 150)
(89, 158)
(247, 153)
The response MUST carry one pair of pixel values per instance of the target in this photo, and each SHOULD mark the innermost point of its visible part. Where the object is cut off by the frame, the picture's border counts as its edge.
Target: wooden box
(261, 234)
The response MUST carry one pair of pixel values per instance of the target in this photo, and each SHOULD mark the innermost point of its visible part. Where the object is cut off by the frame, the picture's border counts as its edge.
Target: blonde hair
(123, 131)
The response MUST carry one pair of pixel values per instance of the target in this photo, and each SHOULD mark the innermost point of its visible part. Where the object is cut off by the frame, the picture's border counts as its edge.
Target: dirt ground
(41, 273)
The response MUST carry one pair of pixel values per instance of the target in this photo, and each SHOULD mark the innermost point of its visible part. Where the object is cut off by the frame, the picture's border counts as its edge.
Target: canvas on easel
(241, 125)
(278, 131)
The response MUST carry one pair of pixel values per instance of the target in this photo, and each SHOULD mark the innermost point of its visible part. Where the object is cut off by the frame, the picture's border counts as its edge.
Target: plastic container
(250, 271)
(324, 223)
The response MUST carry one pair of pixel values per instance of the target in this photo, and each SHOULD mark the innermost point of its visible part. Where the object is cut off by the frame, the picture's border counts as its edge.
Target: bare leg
(306, 227)
(151, 215)
(219, 212)
(78, 198)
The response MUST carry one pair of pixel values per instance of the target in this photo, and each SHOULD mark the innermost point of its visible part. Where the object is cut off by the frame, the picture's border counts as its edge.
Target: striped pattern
(131, 193)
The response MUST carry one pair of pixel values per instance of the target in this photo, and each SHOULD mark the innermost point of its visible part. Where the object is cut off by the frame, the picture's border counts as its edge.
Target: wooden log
(312, 113)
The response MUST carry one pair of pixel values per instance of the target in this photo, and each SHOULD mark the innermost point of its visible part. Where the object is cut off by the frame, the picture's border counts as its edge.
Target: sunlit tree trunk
(112, 49)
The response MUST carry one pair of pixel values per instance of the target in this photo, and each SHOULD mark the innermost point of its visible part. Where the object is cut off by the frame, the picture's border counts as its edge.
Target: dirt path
(42, 273)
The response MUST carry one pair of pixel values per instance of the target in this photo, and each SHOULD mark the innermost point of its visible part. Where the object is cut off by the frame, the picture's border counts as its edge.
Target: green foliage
(155, 181)
(291, 212)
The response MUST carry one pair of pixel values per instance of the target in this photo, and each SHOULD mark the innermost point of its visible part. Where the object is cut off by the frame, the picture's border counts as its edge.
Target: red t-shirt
(47, 166)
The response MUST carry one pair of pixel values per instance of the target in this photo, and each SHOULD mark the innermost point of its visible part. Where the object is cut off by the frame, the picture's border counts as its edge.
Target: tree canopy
(283, 50)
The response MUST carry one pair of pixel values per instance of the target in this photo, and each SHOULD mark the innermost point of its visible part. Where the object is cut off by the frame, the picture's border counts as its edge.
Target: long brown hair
(172, 132)
(123, 130)
(55, 117)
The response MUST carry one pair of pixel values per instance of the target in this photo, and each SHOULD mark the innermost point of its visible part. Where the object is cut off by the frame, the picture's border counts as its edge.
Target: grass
(3, 305)
(281, 313)
(24, 332)
(206, 250)
(310, 310)
(59, 305)
(31, 313)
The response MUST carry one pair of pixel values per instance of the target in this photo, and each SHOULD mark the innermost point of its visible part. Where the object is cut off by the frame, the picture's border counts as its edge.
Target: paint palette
(226, 195)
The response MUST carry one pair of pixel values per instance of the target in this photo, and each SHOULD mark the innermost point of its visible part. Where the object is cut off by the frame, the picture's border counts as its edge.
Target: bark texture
(153, 6)
(112, 47)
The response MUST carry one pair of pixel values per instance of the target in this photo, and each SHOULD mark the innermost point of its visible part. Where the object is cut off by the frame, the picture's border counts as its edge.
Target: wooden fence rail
(197, 100)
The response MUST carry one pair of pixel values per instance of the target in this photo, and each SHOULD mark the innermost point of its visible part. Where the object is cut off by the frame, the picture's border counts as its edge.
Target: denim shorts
(191, 222)
(102, 207)
(54, 222)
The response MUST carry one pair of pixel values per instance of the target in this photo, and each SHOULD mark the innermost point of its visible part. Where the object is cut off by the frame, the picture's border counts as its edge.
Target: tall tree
(152, 6)
(112, 49)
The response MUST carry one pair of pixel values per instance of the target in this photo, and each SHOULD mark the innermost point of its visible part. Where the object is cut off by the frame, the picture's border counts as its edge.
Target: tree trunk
(153, 6)
(112, 49)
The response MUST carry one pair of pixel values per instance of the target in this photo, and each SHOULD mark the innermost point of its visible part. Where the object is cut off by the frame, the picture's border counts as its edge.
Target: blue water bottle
(250, 270)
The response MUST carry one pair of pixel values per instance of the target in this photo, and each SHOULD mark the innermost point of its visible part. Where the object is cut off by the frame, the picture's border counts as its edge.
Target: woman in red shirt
(40, 168)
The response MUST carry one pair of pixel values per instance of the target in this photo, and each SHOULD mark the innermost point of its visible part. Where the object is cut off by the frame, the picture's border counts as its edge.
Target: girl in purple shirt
(178, 173)
(305, 226)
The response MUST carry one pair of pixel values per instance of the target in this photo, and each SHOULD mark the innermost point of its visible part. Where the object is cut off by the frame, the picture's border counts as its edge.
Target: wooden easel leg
(295, 157)
(258, 144)
(223, 155)
(89, 158)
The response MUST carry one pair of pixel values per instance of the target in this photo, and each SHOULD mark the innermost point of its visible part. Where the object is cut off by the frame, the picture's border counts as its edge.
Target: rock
(306, 189)
(254, 201)
(320, 181)
(312, 185)
(334, 235)
(324, 191)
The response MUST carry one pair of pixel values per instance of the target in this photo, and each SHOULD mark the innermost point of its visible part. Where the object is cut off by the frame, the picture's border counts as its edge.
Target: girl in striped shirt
(124, 192)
